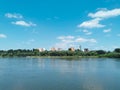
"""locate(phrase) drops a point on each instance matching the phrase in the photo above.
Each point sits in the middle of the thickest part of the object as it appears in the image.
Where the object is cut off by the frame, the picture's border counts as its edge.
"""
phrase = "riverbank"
(60, 54)
(62, 57)
(57, 57)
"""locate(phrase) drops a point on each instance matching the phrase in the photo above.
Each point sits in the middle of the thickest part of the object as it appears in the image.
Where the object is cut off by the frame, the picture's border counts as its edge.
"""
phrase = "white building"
(41, 49)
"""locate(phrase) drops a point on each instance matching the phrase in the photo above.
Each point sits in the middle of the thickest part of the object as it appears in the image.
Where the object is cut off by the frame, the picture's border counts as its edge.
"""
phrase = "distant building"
(41, 49)
(53, 49)
(71, 49)
(86, 50)
(80, 47)
(59, 49)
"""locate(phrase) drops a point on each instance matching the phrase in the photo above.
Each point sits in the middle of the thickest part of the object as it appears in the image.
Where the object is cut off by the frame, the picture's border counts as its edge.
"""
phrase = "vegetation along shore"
(64, 53)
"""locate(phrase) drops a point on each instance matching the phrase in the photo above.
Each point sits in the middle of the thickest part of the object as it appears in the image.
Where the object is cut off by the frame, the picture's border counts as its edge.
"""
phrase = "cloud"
(65, 37)
(85, 40)
(115, 46)
(68, 41)
(98, 16)
(24, 23)
(14, 15)
(28, 42)
(3, 36)
(87, 32)
(104, 13)
(107, 30)
(94, 23)
(21, 22)
(25, 44)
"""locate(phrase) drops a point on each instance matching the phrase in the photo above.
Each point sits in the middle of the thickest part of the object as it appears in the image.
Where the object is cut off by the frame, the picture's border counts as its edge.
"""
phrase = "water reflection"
(91, 84)
(59, 74)
(79, 66)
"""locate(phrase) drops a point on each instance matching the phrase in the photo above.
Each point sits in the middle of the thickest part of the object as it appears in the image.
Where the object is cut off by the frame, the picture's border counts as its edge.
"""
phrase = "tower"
(80, 47)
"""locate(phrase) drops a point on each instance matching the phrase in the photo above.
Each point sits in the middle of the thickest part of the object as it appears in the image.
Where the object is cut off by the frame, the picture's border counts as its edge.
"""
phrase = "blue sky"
(27, 24)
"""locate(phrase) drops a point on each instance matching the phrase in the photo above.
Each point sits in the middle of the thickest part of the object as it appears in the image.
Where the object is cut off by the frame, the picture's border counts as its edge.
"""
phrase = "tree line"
(35, 52)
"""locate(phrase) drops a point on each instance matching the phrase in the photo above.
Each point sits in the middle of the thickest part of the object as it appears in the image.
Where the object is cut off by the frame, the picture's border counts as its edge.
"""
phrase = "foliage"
(117, 50)
(35, 52)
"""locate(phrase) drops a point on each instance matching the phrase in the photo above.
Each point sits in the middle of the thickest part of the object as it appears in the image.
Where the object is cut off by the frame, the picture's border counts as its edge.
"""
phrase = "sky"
(28, 24)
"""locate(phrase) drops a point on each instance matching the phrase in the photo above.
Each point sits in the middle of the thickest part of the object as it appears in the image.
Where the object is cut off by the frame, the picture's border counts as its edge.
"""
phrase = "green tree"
(99, 52)
(117, 50)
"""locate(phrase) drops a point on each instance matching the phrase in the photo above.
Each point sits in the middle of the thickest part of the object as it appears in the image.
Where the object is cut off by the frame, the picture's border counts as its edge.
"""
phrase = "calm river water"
(59, 74)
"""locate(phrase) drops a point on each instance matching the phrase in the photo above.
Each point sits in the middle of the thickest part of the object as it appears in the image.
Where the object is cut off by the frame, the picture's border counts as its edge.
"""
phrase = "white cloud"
(62, 45)
(87, 32)
(68, 41)
(14, 15)
(85, 40)
(23, 23)
(115, 47)
(104, 13)
(98, 9)
(65, 37)
(3, 36)
(20, 22)
(28, 42)
(94, 23)
(100, 15)
(107, 30)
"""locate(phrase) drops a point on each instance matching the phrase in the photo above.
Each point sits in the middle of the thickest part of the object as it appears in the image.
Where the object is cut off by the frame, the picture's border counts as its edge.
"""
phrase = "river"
(59, 74)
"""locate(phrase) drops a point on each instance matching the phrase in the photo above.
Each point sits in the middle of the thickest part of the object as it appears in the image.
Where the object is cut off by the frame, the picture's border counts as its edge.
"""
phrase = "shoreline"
(51, 57)
(57, 57)
(62, 57)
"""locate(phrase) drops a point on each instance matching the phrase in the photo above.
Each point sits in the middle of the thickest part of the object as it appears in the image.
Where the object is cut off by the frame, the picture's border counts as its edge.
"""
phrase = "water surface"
(59, 74)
